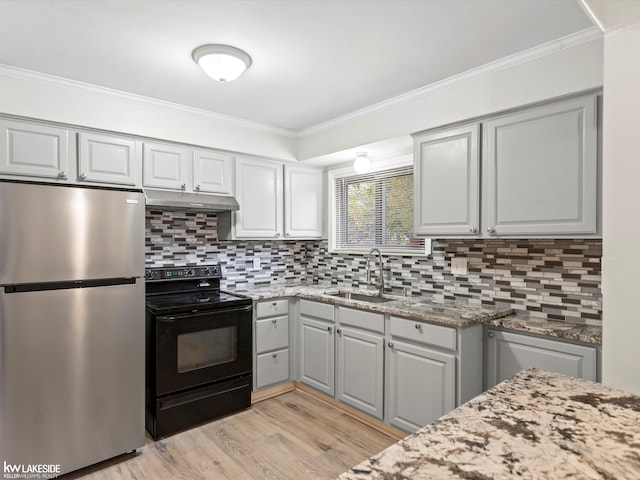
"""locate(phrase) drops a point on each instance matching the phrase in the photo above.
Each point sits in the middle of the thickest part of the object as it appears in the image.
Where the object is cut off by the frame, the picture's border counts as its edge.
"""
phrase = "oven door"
(201, 348)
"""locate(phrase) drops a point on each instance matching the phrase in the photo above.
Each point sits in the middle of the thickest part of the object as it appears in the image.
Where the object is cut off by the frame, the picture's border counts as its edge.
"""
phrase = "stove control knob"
(189, 272)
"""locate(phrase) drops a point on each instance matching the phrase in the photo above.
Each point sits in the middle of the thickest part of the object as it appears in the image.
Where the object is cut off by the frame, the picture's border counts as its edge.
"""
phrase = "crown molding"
(519, 58)
(52, 80)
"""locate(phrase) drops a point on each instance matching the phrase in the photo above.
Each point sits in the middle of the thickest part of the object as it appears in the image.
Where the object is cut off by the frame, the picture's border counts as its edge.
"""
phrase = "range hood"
(203, 202)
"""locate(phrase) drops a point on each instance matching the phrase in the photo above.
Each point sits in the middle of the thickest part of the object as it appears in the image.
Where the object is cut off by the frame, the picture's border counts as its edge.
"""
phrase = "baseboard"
(271, 392)
(362, 417)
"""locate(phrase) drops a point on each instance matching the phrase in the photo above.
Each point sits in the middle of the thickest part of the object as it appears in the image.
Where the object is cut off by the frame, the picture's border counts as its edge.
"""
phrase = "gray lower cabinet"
(317, 346)
(508, 353)
(360, 360)
(271, 335)
(421, 380)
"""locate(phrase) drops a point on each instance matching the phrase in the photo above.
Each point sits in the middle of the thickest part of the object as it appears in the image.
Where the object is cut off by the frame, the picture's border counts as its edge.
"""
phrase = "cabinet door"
(540, 170)
(420, 385)
(317, 355)
(360, 370)
(447, 182)
(34, 150)
(259, 193)
(509, 353)
(303, 188)
(212, 172)
(107, 159)
(164, 166)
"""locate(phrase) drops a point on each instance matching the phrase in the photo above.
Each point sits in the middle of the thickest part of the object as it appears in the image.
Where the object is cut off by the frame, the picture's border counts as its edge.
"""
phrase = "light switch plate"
(460, 266)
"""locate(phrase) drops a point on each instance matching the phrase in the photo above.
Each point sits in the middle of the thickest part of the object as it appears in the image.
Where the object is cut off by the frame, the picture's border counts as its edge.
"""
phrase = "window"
(376, 210)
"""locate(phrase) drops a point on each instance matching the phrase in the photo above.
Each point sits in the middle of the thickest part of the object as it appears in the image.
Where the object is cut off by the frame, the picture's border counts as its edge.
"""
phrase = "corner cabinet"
(537, 171)
(277, 201)
(508, 353)
(447, 181)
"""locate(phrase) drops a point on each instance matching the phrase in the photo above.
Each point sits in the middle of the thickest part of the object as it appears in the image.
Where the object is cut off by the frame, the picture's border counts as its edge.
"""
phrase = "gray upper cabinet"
(165, 166)
(33, 150)
(535, 175)
(447, 181)
(540, 170)
(109, 159)
(212, 172)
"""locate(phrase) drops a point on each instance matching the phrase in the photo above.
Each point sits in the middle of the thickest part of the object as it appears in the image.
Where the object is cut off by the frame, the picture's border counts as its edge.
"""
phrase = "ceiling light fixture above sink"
(362, 164)
(223, 63)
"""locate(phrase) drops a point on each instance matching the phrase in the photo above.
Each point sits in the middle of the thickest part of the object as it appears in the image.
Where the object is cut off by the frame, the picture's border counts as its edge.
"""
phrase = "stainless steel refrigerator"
(71, 325)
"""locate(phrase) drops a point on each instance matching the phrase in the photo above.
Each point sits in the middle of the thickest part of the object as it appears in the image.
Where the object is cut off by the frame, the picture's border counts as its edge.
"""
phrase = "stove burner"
(202, 298)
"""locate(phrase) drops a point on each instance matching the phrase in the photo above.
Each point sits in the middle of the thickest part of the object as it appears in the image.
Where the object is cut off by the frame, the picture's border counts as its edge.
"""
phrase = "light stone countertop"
(536, 425)
(451, 313)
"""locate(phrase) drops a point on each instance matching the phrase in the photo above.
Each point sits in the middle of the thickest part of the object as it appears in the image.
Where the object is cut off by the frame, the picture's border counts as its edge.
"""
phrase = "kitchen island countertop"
(536, 425)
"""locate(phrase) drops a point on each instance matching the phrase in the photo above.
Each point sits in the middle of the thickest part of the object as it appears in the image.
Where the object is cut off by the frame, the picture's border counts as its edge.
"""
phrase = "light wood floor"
(292, 436)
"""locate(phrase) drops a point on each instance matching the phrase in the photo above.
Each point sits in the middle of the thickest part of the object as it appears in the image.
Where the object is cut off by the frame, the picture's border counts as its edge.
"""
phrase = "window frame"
(347, 171)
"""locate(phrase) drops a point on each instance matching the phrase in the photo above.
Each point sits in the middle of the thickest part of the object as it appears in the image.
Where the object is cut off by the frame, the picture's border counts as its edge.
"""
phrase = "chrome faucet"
(381, 275)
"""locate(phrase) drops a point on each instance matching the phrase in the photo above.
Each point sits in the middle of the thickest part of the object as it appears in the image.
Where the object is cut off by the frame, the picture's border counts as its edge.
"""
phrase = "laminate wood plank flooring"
(292, 436)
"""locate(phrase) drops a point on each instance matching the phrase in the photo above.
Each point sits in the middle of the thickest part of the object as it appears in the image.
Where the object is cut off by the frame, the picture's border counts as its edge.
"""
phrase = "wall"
(79, 104)
(555, 279)
(621, 207)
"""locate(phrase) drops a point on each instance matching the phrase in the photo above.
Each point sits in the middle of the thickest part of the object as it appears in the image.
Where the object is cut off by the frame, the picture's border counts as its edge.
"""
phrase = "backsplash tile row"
(551, 278)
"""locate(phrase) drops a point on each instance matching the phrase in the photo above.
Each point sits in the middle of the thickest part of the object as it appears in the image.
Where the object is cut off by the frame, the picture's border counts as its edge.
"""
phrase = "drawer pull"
(390, 345)
(418, 326)
(275, 355)
(274, 304)
(275, 320)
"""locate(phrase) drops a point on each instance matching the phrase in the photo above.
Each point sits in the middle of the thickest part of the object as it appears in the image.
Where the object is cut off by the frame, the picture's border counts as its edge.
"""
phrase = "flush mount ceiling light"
(362, 164)
(223, 63)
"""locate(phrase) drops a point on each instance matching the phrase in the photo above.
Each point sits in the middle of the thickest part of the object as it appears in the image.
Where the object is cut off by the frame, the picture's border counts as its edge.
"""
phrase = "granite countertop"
(451, 313)
(535, 425)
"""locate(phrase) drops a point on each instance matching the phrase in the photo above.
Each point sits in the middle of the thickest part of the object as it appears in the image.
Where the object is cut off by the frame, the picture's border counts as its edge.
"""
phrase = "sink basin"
(359, 296)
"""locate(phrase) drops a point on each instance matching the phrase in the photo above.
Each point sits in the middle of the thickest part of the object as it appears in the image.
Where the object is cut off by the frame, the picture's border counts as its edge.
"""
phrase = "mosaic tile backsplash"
(551, 278)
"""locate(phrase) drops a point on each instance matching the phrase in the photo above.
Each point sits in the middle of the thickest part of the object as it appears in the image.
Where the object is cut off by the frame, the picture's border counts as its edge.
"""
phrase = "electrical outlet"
(460, 266)
(256, 263)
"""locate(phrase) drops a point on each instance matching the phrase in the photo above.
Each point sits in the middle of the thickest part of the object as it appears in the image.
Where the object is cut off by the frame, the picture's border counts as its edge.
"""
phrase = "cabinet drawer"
(272, 308)
(361, 319)
(427, 333)
(317, 309)
(272, 368)
(272, 333)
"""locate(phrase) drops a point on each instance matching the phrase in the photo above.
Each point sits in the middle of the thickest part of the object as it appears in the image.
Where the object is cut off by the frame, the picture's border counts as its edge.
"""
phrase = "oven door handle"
(173, 318)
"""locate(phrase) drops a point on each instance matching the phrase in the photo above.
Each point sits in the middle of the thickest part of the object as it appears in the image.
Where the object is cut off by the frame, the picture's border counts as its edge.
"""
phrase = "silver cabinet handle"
(490, 334)
(197, 189)
(275, 320)
(339, 331)
(491, 229)
(275, 355)
(473, 229)
(274, 303)
(183, 186)
(329, 329)
(83, 176)
(278, 235)
(62, 175)
(418, 326)
(390, 345)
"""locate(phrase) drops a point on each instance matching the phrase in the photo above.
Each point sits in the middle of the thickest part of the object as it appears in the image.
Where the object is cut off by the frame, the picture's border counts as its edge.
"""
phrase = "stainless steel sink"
(359, 296)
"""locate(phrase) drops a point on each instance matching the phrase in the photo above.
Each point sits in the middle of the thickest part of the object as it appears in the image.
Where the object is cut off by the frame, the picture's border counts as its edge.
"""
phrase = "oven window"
(206, 348)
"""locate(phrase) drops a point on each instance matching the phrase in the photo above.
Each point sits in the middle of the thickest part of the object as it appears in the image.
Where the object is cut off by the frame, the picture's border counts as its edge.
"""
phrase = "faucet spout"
(380, 275)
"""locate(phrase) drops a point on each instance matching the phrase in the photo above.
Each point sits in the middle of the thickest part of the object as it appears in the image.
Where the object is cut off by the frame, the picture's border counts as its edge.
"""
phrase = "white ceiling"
(313, 60)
